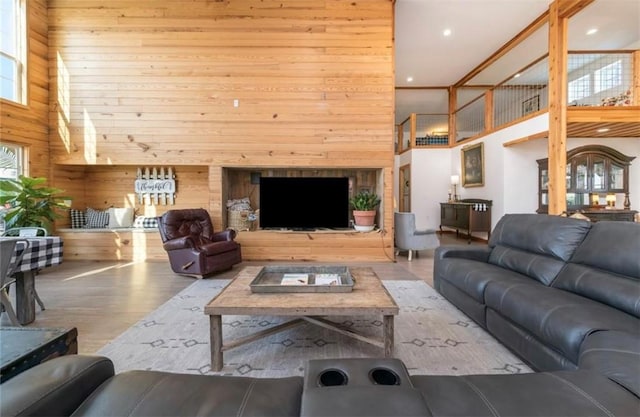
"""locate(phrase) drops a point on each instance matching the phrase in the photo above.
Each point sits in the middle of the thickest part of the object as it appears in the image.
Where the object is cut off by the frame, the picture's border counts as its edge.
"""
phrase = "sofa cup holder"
(384, 376)
(332, 378)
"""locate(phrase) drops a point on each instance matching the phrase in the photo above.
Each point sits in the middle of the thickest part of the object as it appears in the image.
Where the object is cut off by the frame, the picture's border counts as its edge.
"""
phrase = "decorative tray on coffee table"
(303, 279)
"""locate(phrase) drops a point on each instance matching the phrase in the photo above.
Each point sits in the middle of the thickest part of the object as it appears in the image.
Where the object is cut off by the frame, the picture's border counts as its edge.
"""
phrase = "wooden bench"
(130, 244)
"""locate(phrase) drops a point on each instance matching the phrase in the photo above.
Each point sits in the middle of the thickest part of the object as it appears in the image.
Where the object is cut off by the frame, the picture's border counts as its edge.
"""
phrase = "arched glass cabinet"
(596, 175)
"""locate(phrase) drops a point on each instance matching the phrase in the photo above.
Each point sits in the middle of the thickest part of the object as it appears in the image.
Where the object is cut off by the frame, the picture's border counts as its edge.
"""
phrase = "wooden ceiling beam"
(524, 34)
(567, 8)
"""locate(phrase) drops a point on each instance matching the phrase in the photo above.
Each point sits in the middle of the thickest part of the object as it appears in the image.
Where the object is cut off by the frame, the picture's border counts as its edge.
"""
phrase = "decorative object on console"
(240, 216)
(611, 201)
(364, 210)
(473, 165)
(155, 186)
(455, 180)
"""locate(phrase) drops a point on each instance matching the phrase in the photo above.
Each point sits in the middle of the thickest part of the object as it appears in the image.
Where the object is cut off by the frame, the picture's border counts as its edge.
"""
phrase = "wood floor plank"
(104, 298)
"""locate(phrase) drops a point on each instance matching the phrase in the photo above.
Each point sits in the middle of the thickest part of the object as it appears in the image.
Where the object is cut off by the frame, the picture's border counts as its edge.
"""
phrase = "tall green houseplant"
(29, 202)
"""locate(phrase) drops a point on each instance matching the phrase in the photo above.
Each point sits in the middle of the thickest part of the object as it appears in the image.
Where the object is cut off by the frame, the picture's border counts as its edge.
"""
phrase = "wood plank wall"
(153, 83)
(103, 192)
(29, 125)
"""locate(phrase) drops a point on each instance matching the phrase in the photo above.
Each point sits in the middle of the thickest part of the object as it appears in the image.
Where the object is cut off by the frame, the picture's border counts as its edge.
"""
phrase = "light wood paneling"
(140, 82)
(112, 245)
(154, 82)
(28, 125)
(104, 186)
(315, 246)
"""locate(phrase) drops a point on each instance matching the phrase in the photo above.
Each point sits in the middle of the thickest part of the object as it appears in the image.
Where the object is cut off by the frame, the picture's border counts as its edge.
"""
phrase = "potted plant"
(29, 203)
(364, 210)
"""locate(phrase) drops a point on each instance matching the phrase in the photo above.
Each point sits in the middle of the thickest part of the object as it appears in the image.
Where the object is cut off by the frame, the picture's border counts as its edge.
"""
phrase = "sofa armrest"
(474, 253)
(54, 388)
(225, 235)
(185, 242)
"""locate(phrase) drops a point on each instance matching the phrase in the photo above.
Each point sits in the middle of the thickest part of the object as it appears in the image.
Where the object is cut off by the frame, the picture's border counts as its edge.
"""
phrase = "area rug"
(431, 337)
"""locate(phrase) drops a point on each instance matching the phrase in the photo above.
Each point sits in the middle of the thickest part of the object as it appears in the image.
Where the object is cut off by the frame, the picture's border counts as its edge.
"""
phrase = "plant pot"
(364, 228)
(364, 218)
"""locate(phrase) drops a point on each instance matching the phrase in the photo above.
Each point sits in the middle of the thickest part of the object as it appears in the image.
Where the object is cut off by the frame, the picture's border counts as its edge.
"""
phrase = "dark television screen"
(304, 202)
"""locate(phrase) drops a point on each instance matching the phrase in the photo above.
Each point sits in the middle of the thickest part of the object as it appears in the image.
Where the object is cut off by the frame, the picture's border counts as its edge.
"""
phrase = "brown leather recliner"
(193, 247)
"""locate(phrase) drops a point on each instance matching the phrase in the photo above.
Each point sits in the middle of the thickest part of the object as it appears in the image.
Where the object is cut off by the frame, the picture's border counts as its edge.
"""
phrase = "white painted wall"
(511, 173)
(430, 175)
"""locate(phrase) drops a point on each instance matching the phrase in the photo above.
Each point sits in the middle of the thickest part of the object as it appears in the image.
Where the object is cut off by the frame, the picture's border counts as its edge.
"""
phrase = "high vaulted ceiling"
(481, 27)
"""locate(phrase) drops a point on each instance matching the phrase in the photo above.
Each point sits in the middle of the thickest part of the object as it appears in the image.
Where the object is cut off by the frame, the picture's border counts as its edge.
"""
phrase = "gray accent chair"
(407, 238)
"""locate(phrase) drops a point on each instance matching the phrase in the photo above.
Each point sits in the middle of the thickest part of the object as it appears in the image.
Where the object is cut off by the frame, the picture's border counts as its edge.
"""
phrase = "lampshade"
(455, 179)
(611, 198)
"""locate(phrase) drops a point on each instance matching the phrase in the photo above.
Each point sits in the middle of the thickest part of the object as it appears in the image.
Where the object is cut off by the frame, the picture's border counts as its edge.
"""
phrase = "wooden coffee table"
(369, 297)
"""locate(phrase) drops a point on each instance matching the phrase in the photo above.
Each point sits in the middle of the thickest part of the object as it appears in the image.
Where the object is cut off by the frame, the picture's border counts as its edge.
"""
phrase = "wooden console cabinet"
(472, 215)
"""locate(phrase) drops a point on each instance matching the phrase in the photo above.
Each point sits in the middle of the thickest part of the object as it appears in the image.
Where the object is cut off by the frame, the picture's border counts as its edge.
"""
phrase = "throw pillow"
(78, 218)
(145, 222)
(120, 217)
(97, 219)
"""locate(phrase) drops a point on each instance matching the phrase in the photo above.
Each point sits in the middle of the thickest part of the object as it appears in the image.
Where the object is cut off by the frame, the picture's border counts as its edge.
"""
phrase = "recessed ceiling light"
(447, 32)
(603, 130)
(592, 31)
(517, 75)
(409, 79)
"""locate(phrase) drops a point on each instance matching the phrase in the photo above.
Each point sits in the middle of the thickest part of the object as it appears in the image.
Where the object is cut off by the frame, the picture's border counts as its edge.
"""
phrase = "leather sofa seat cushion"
(560, 319)
(564, 393)
(150, 393)
(615, 355)
(472, 277)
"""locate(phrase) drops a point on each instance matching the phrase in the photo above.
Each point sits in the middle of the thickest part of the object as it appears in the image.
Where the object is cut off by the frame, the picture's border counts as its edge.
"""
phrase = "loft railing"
(595, 78)
(423, 130)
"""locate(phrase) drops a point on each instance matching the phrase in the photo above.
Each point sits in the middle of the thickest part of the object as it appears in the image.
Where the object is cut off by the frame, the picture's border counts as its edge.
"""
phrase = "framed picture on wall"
(531, 105)
(473, 165)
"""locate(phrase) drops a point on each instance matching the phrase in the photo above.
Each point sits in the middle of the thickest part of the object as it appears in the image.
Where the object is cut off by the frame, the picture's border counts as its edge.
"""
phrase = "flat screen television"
(304, 202)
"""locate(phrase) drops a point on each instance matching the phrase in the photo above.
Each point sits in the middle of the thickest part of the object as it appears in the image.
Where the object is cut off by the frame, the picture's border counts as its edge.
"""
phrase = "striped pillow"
(97, 219)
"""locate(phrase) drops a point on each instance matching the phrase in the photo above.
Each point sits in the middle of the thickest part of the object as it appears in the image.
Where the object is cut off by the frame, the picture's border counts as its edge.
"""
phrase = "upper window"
(607, 77)
(579, 88)
(13, 41)
(11, 161)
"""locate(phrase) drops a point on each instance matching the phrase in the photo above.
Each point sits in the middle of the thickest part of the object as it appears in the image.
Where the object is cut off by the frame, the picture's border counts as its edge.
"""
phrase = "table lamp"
(611, 200)
(454, 181)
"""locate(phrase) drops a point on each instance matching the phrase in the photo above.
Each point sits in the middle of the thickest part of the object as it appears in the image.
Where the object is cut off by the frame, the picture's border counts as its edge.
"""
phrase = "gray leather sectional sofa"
(561, 293)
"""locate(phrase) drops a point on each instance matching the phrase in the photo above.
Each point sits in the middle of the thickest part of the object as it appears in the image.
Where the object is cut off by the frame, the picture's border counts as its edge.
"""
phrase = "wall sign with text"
(155, 186)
